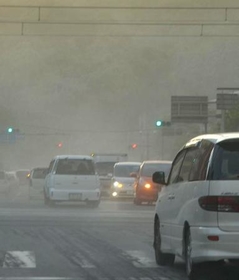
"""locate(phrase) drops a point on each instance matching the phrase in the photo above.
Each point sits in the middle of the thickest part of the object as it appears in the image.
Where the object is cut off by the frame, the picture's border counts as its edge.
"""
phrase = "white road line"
(82, 261)
(39, 278)
(19, 259)
(140, 259)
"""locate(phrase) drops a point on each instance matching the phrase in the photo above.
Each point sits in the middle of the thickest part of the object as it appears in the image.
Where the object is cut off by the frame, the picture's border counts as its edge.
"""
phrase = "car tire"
(46, 199)
(162, 259)
(190, 266)
(93, 204)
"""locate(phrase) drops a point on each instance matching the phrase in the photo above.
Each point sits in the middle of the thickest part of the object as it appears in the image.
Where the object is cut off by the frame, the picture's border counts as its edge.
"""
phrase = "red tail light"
(219, 203)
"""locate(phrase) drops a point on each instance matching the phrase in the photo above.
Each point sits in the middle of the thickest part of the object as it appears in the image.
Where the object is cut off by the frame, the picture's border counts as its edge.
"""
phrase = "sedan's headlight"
(117, 185)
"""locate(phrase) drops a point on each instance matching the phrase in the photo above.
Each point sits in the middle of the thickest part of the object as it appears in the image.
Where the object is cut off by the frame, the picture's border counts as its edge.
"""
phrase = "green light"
(158, 123)
(10, 130)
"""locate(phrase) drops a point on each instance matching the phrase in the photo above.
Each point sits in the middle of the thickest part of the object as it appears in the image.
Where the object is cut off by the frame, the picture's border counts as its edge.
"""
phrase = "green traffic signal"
(159, 123)
(10, 130)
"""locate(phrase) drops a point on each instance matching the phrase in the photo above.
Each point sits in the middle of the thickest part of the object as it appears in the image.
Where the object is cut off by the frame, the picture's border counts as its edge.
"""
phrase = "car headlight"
(117, 185)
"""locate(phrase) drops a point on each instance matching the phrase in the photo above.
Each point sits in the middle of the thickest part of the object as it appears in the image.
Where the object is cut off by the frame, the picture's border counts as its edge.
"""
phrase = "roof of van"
(128, 163)
(73, 157)
(215, 138)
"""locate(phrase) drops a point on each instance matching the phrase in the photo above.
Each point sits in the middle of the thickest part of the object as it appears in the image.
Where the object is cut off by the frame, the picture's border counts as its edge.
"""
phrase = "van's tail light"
(219, 203)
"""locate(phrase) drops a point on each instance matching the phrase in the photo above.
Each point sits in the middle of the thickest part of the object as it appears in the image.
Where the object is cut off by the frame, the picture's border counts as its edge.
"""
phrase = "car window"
(51, 166)
(174, 174)
(39, 173)
(149, 169)
(200, 161)
(125, 170)
(187, 164)
(75, 167)
(225, 163)
(104, 168)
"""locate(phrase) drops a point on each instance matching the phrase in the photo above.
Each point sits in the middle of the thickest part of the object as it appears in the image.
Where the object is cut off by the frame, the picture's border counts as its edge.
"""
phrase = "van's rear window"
(39, 173)
(75, 167)
(225, 164)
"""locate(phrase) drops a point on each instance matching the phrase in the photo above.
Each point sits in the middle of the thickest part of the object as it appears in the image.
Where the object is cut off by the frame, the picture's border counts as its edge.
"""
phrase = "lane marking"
(82, 261)
(39, 278)
(19, 259)
(140, 259)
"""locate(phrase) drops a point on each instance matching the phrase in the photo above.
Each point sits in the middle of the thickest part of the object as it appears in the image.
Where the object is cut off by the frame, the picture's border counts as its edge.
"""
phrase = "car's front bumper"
(122, 192)
(227, 247)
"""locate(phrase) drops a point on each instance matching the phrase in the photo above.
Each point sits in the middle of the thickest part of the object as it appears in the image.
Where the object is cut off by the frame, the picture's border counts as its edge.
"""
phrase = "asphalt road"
(69, 241)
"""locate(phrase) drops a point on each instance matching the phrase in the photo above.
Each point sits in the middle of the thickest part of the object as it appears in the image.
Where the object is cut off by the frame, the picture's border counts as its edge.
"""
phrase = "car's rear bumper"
(227, 247)
(147, 195)
(74, 195)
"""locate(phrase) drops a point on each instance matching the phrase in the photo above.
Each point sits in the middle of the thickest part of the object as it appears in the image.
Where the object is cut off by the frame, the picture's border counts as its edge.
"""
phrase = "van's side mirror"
(133, 174)
(159, 178)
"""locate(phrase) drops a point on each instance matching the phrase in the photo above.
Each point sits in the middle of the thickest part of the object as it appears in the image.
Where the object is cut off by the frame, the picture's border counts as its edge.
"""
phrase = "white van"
(197, 212)
(72, 178)
(122, 183)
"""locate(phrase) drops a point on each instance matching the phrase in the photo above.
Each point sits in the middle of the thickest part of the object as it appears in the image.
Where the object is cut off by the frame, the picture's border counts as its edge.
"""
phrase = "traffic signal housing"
(160, 123)
(134, 146)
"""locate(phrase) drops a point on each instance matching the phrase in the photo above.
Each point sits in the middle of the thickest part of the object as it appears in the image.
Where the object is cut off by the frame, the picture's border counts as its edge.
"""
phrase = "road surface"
(69, 241)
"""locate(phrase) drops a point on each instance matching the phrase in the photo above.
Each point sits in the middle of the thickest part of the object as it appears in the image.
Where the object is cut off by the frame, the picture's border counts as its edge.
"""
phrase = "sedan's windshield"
(125, 170)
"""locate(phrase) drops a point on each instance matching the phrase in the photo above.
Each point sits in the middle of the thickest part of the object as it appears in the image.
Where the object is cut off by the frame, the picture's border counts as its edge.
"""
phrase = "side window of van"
(200, 163)
(187, 165)
(174, 174)
(51, 166)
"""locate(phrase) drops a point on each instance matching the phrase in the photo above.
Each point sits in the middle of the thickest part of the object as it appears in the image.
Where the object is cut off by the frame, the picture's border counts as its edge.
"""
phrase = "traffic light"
(59, 145)
(10, 130)
(160, 123)
(134, 146)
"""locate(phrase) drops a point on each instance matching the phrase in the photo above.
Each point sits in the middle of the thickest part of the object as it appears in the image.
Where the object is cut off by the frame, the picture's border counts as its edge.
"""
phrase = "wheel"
(47, 201)
(190, 267)
(161, 258)
(137, 201)
(93, 204)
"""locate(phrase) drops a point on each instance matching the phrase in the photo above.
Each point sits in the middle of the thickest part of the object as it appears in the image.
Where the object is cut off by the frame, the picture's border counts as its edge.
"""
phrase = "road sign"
(189, 109)
(226, 101)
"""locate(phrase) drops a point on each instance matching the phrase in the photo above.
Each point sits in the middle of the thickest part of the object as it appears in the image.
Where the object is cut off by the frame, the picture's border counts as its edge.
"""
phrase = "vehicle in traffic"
(12, 179)
(23, 176)
(104, 164)
(197, 211)
(36, 182)
(145, 190)
(72, 178)
(4, 184)
(122, 182)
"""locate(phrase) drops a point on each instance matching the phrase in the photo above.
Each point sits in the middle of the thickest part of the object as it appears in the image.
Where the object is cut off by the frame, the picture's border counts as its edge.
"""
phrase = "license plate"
(75, 196)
